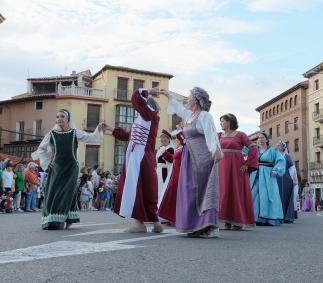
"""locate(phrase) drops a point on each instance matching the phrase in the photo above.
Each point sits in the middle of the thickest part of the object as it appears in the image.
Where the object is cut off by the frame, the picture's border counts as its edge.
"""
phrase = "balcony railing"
(318, 116)
(318, 141)
(121, 94)
(80, 91)
(318, 165)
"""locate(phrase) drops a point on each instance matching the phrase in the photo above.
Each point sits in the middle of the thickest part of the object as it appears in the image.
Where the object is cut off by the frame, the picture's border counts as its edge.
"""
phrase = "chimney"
(73, 73)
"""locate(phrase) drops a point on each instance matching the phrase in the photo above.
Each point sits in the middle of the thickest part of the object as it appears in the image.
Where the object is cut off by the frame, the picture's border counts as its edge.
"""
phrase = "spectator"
(96, 175)
(19, 186)
(31, 181)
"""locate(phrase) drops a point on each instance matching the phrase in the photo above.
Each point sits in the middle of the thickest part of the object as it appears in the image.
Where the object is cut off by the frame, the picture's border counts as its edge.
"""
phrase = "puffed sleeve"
(177, 107)
(252, 157)
(206, 125)
(139, 102)
(43, 153)
(85, 137)
(279, 163)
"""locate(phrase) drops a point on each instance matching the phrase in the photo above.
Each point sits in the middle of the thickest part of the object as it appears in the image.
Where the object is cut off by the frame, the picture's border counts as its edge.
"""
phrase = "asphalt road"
(97, 250)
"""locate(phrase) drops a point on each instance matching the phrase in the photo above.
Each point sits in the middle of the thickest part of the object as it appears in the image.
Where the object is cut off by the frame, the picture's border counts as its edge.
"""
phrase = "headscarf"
(69, 119)
(202, 97)
(283, 145)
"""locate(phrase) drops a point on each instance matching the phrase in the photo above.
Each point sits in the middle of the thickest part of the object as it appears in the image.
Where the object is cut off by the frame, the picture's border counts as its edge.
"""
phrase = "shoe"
(137, 229)
(212, 233)
(227, 226)
(35, 209)
(158, 228)
(20, 210)
(28, 210)
(236, 228)
(68, 225)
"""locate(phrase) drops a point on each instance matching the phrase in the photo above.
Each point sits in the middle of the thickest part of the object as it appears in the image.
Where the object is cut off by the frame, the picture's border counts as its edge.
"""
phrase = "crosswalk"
(66, 247)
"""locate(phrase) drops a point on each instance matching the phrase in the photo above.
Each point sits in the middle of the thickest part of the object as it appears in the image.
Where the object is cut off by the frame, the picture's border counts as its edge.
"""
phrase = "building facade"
(26, 118)
(285, 118)
(315, 128)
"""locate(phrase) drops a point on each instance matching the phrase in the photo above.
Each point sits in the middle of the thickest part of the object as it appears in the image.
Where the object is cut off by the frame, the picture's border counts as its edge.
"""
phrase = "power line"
(20, 133)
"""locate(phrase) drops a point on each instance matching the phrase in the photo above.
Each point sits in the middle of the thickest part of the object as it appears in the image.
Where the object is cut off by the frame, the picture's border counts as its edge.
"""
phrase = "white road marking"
(71, 248)
(319, 214)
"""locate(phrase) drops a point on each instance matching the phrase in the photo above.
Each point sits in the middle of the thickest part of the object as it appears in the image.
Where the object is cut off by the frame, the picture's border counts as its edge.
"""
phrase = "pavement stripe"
(71, 248)
(319, 214)
(92, 224)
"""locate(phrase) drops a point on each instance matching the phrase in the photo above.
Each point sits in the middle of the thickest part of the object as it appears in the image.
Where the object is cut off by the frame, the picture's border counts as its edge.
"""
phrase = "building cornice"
(303, 85)
(27, 98)
(131, 70)
(312, 72)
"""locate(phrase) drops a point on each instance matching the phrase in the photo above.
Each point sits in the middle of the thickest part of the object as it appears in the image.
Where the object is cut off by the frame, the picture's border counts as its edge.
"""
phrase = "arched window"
(263, 116)
(291, 102)
(295, 100)
(278, 109)
(269, 113)
(282, 107)
(274, 111)
(286, 105)
(266, 114)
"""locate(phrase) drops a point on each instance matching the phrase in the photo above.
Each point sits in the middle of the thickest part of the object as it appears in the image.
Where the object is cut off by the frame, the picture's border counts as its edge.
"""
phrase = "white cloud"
(281, 5)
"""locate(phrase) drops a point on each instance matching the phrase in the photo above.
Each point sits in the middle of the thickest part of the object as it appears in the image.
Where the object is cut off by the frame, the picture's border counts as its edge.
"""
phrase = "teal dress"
(57, 152)
(265, 192)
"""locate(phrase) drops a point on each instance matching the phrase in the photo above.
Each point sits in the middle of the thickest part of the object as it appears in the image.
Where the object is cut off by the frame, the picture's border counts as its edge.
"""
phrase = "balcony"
(318, 141)
(318, 116)
(121, 94)
(80, 91)
(318, 165)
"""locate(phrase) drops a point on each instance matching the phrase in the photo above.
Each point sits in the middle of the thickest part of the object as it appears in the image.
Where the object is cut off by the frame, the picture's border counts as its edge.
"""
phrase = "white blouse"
(205, 123)
(44, 153)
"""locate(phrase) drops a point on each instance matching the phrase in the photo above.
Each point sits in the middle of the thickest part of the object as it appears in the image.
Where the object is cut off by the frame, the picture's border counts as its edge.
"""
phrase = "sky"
(242, 52)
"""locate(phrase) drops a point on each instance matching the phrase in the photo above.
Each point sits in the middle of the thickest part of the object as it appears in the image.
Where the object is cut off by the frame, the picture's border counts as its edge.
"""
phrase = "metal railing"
(318, 165)
(318, 141)
(318, 115)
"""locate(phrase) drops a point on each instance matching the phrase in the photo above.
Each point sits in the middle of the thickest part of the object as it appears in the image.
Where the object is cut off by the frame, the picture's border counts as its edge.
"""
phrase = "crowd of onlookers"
(22, 187)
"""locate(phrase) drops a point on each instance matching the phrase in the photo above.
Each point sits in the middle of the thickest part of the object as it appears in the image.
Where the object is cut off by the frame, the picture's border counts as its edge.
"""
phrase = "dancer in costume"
(137, 194)
(197, 195)
(164, 158)
(265, 192)
(286, 185)
(306, 200)
(57, 152)
(240, 159)
(167, 207)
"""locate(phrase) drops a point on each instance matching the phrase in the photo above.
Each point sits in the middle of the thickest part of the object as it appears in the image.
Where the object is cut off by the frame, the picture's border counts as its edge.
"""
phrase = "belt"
(267, 164)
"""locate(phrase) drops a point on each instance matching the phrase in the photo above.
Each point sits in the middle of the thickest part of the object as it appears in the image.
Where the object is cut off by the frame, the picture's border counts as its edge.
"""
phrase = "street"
(97, 250)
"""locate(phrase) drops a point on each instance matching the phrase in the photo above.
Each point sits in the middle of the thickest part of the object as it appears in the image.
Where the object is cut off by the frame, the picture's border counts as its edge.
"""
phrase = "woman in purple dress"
(197, 196)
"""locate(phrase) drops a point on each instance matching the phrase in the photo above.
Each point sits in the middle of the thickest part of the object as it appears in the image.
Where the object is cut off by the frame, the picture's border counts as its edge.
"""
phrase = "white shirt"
(204, 124)
(7, 178)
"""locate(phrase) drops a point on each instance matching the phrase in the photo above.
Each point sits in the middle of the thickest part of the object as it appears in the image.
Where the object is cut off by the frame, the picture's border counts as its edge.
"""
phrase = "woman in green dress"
(57, 153)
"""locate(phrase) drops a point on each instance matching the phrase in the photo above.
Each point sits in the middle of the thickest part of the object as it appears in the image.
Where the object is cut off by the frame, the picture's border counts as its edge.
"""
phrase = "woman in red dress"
(240, 158)
(167, 208)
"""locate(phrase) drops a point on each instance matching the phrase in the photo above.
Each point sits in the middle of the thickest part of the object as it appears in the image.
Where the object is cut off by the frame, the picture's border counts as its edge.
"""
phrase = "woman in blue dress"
(264, 187)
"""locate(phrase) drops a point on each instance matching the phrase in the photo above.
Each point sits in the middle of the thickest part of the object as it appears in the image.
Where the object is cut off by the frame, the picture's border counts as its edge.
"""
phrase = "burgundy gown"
(236, 204)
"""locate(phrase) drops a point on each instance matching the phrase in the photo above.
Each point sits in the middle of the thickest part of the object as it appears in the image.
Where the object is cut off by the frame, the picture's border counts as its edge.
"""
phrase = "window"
(154, 84)
(290, 102)
(295, 123)
(274, 111)
(263, 116)
(318, 157)
(278, 130)
(286, 105)
(286, 127)
(176, 120)
(91, 155)
(317, 108)
(282, 107)
(93, 116)
(39, 105)
(122, 89)
(125, 116)
(278, 109)
(297, 166)
(317, 132)
(316, 85)
(266, 114)
(20, 128)
(295, 100)
(36, 130)
(1, 109)
(270, 132)
(296, 145)
(138, 84)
